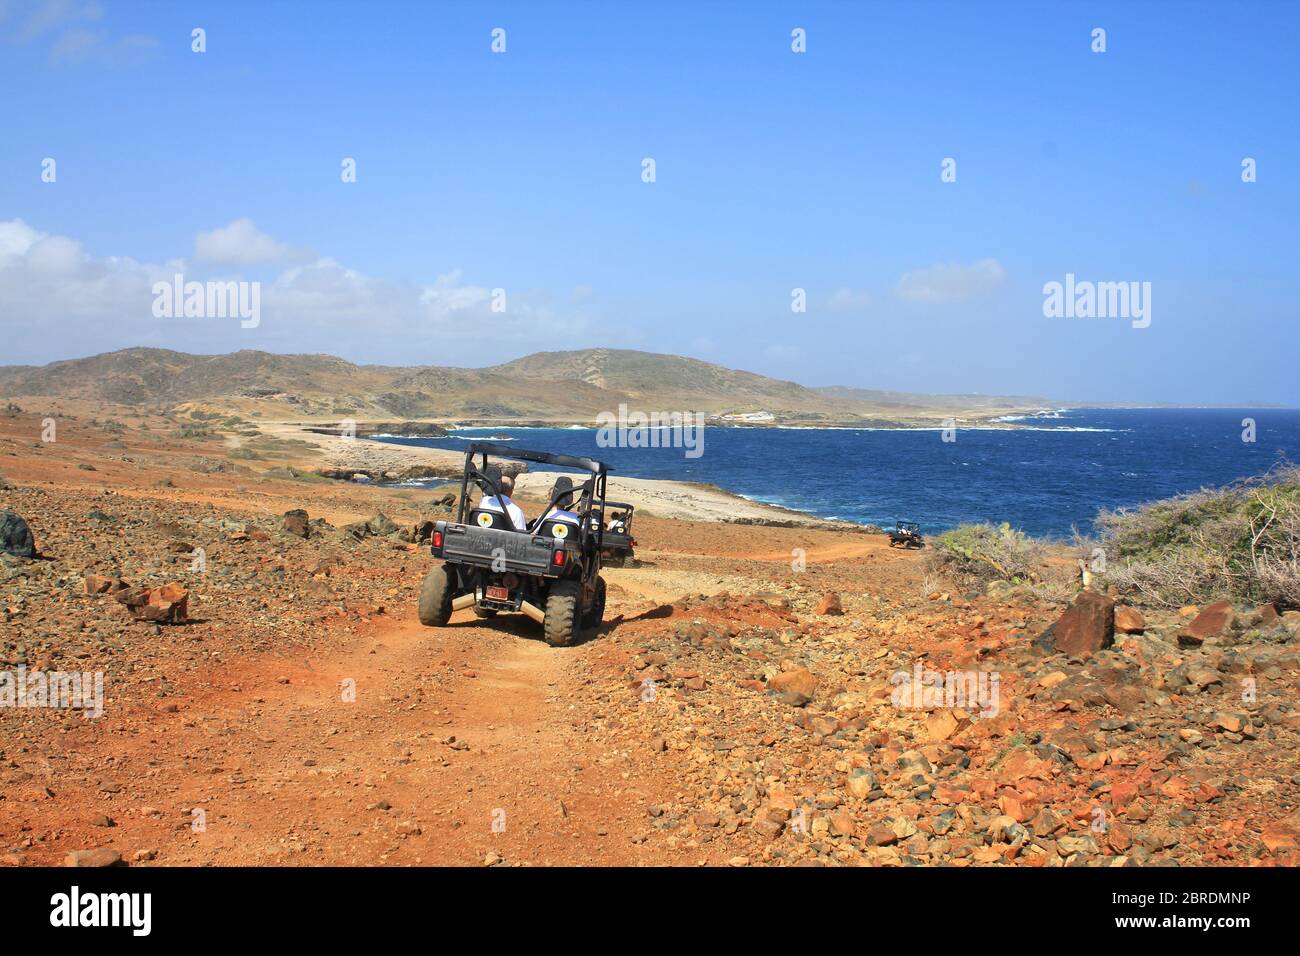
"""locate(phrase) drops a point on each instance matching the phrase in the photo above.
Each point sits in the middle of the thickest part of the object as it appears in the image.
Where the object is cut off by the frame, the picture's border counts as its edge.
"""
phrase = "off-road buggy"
(548, 569)
(906, 534)
(617, 549)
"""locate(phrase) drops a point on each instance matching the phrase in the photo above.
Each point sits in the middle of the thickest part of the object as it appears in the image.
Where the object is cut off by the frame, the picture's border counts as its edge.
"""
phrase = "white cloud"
(446, 297)
(952, 282)
(56, 300)
(16, 237)
(241, 243)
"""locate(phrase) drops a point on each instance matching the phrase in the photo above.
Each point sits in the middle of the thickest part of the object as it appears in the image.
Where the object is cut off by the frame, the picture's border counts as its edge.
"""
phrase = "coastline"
(659, 497)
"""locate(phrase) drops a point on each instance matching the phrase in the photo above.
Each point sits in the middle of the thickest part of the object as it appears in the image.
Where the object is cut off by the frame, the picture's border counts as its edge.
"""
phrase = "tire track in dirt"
(452, 730)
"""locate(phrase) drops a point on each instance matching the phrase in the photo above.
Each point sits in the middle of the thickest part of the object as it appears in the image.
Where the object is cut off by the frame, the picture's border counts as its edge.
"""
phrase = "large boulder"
(1086, 627)
(1213, 621)
(15, 536)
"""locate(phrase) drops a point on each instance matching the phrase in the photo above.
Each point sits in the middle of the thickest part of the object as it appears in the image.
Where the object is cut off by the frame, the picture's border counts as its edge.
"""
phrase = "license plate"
(498, 594)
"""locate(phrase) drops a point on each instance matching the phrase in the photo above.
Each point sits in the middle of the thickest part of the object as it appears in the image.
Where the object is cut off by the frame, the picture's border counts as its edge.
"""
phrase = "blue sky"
(522, 171)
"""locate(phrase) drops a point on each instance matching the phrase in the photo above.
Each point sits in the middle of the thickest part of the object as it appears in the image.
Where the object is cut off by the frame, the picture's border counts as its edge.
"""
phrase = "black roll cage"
(591, 492)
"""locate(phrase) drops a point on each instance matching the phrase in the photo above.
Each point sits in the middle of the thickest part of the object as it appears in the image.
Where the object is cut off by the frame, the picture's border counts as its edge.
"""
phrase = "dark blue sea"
(1047, 477)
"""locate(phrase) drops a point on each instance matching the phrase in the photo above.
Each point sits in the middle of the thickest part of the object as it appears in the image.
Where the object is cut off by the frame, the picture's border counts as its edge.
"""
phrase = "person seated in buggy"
(512, 510)
(618, 522)
(561, 495)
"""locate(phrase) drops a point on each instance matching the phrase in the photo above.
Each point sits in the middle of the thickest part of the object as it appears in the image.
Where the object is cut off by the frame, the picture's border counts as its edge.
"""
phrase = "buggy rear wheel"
(562, 613)
(435, 596)
(594, 615)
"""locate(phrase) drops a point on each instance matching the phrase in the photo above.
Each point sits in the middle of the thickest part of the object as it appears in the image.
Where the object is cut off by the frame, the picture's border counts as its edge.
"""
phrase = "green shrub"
(980, 553)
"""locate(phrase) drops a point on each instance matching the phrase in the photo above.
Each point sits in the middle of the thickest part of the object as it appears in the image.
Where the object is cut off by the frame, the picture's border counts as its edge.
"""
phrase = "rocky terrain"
(758, 695)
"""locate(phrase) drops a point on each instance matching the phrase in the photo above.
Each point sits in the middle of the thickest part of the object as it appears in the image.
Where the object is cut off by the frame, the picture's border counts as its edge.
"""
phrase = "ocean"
(1047, 477)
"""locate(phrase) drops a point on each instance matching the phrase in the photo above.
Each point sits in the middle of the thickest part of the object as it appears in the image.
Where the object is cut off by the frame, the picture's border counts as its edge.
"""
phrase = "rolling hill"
(548, 386)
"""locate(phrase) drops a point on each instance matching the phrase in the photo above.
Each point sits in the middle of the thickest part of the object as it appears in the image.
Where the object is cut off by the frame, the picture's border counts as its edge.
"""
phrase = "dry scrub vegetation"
(1240, 542)
(1237, 543)
(977, 554)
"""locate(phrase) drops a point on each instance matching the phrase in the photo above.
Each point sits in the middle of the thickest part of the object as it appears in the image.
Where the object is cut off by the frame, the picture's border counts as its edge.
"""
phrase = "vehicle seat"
(570, 522)
(489, 518)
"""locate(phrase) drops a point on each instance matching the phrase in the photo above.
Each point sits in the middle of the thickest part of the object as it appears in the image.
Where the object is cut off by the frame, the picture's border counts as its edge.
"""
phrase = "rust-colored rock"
(941, 725)
(168, 604)
(296, 523)
(102, 584)
(1283, 834)
(830, 604)
(103, 856)
(1129, 620)
(1266, 615)
(841, 823)
(795, 686)
(1087, 626)
(1214, 620)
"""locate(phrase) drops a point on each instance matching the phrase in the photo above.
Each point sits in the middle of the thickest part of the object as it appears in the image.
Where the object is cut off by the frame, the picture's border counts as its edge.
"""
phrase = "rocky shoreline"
(341, 458)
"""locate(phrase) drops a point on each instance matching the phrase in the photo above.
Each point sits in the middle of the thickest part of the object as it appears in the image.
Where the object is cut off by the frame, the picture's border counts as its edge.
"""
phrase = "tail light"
(437, 539)
(557, 557)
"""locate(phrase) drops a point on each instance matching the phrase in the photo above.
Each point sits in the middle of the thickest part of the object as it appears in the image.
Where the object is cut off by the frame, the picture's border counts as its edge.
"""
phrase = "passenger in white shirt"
(507, 486)
(562, 494)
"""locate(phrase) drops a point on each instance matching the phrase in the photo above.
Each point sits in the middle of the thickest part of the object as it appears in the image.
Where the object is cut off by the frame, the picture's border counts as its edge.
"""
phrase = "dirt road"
(407, 746)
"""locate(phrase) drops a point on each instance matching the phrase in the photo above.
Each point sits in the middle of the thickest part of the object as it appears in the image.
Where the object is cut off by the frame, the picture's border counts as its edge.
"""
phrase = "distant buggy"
(618, 546)
(548, 570)
(906, 534)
